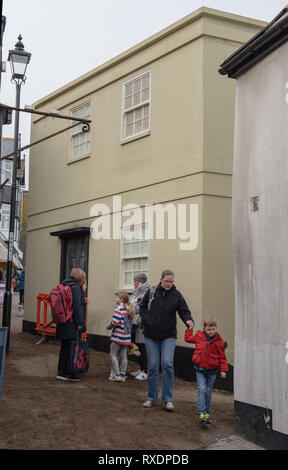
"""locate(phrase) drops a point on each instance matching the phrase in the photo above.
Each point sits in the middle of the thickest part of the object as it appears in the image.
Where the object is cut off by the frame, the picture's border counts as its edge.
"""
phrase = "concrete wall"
(260, 243)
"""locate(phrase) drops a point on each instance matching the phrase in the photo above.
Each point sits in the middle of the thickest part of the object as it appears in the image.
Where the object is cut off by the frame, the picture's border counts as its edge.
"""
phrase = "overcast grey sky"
(68, 38)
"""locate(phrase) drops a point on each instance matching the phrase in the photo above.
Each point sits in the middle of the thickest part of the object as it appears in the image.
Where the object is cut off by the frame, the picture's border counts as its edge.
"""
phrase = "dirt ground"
(39, 412)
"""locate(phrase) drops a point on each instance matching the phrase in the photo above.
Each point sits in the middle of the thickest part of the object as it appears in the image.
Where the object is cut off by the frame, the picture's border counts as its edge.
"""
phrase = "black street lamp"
(19, 59)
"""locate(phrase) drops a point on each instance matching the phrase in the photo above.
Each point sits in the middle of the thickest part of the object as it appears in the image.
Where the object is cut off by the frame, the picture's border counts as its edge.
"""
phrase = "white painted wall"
(260, 238)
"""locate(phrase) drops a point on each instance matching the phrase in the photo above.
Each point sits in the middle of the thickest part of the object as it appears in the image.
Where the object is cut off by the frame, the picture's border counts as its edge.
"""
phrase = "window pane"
(128, 265)
(129, 89)
(138, 114)
(144, 264)
(145, 124)
(128, 102)
(137, 85)
(143, 248)
(76, 139)
(136, 99)
(125, 231)
(144, 231)
(146, 81)
(145, 95)
(128, 279)
(138, 126)
(137, 265)
(130, 117)
(126, 250)
(76, 150)
(130, 130)
(86, 113)
(146, 110)
(138, 232)
(134, 248)
(82, 137)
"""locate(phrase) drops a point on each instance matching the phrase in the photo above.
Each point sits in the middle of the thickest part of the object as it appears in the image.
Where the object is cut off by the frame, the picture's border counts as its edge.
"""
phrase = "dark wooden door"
(75, 252)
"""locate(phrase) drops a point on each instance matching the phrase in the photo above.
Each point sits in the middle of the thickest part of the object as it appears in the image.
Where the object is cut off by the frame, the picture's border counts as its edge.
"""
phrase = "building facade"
(161, 137)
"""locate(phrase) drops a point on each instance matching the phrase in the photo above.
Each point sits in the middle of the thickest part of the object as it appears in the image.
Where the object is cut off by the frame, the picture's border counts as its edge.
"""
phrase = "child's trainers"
(116, 378)
(202, 418)
(207, 418)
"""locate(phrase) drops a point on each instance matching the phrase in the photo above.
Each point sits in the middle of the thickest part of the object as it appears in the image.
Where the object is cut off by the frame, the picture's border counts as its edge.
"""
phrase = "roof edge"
(259, 46)
(190, 18)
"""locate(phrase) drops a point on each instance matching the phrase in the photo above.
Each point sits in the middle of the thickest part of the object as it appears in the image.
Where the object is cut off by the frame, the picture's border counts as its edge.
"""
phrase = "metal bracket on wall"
(85, 128)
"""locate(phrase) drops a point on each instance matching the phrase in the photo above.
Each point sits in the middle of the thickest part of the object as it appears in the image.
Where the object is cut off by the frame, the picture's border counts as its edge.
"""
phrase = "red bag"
(61, 300)
(79, 355)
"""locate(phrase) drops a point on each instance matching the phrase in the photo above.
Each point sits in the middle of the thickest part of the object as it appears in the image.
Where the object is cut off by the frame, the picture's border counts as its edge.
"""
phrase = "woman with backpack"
(67, 332)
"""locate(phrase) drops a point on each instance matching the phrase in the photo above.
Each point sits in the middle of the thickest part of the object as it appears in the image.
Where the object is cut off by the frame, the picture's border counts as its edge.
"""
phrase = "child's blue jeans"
(205, 382)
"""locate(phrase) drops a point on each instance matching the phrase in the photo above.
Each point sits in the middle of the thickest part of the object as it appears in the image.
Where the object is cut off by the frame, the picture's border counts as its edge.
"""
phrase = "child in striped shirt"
(120, 325)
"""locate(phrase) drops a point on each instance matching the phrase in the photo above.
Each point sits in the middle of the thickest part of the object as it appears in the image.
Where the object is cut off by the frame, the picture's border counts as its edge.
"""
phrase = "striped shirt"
(121, 324)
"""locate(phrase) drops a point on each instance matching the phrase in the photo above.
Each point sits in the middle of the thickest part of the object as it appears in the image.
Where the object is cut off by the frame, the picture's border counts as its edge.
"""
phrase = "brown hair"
(79, 275)
(167, 272)
(125, 299)
(209, 321)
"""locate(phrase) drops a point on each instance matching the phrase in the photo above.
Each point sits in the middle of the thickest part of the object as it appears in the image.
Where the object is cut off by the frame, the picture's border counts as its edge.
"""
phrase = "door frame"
(64, 235)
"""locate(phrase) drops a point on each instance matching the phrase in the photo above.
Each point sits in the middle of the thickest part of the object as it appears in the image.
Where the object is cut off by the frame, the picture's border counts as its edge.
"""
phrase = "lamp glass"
(18, 64)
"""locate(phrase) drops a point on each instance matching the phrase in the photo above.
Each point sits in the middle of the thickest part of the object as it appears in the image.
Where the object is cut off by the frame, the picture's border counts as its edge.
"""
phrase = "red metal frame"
(47, 328)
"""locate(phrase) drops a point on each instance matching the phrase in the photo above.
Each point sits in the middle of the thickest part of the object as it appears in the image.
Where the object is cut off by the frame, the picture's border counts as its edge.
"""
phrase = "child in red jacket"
(208, 356)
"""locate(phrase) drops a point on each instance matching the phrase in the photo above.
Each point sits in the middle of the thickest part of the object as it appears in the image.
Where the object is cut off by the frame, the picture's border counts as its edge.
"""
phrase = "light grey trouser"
(115, 348)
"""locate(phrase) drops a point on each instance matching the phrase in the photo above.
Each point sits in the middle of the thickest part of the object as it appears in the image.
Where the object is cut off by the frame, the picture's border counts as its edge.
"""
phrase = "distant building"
(6, 182)
(24, 221)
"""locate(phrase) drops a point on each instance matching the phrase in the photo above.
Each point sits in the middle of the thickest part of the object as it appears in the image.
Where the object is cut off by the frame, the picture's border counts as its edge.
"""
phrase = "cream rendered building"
(161, 132)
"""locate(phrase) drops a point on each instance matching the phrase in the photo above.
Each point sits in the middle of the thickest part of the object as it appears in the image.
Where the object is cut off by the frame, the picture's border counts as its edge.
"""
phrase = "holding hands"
(190, 323)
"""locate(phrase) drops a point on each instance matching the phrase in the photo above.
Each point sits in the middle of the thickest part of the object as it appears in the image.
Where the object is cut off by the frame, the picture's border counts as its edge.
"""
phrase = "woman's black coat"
(160, 320)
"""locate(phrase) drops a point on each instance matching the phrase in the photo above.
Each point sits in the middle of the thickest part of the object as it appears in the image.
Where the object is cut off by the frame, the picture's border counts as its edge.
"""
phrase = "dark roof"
(263, 43)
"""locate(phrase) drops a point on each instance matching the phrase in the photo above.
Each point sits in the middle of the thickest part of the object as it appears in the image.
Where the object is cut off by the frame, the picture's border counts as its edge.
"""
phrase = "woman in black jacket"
(158, 312)
(67, 332)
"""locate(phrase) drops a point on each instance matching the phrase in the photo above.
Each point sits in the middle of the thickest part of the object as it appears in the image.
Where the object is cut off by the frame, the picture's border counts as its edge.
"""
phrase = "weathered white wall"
(260, 238)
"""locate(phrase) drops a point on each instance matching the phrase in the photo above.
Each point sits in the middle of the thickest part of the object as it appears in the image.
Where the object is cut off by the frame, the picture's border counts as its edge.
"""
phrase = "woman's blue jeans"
(164, 351)
(205, 382)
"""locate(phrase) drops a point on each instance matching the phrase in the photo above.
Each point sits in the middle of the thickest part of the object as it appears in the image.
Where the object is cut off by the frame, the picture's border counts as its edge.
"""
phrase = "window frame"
(4, 171)
(132, 257)
(8, 210)
(124, 112)
(74, 132)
